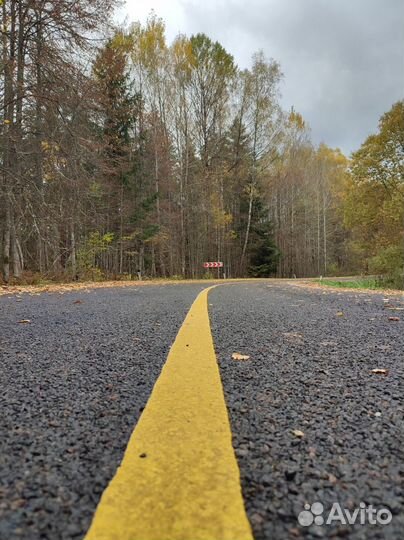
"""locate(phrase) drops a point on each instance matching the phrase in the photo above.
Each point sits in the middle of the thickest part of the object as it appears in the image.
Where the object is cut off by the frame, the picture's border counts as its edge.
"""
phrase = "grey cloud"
(343, 60)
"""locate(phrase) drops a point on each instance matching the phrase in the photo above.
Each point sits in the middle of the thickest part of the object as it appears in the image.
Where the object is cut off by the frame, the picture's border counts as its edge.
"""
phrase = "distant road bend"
(128, 415)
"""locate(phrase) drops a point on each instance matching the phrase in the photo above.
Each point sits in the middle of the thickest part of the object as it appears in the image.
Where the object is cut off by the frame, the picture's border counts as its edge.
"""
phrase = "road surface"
(310, 421)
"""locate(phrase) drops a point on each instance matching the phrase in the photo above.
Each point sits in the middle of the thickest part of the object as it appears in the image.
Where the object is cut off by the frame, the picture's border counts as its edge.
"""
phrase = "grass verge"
(365, 283)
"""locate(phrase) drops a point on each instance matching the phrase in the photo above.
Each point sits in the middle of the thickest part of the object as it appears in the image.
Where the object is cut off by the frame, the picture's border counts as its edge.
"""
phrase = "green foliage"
(381, 157)
(121, 104)
(374, 199)
(94, 245)
(180, 155)
(149, 232)
(365, 283)
(96, 190)
(388, 261)
(210, 55)
(264, 255)
(391, 281)
(333, 269)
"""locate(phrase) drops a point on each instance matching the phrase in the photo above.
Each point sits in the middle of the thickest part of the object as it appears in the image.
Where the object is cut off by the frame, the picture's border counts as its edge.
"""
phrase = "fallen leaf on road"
(257, 519)
(78, 302)
(295, 336)
(298, 433)
(380, 371)
(393, 308)
(394, 318)
(340, 313)
(332, 479)
(238, 356)
(24, 321)
(17, 503)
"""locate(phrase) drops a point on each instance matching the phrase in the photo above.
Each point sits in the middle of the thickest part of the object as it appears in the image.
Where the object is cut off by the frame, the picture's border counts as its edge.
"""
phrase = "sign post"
(215, 264)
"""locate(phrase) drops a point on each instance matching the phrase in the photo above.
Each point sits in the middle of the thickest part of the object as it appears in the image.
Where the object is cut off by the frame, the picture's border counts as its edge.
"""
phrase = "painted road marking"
(179, 478)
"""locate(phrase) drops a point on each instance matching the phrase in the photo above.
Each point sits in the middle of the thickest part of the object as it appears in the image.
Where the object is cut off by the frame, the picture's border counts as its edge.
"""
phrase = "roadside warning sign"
(215, 264)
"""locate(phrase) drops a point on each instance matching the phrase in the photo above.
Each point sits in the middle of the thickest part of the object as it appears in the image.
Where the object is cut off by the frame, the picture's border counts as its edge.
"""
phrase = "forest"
(125, 156)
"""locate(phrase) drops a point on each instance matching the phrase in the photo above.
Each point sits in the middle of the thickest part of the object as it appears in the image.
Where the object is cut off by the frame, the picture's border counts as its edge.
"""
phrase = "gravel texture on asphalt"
(311, 355)
(73, 383)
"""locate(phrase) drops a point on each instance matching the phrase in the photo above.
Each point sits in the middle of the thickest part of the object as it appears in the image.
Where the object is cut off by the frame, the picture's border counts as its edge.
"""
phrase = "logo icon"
(311, 514)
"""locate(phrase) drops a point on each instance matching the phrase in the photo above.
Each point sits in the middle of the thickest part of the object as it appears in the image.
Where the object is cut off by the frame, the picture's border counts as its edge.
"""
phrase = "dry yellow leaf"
(298, 433)
(294, 336)
(380, 371)
(332, 479)
(24, 321)
(238, 356)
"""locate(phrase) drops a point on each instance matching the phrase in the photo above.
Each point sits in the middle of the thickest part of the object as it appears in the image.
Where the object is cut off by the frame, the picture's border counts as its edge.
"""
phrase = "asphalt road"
(311, 355)
(310, 422)
(73, 384)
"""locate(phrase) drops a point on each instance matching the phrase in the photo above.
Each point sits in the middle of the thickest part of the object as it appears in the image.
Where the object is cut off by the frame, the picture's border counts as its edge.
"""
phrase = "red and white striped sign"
(213, 264)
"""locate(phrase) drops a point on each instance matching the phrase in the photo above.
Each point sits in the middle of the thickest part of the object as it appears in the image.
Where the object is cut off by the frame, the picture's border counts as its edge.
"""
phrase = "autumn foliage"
(124, 155)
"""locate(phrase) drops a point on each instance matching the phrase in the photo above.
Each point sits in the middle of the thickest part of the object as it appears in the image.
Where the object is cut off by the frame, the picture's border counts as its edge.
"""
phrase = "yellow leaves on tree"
(374, 202)
(53, 160)
(184, 60)
(149, 43)
(297, 120)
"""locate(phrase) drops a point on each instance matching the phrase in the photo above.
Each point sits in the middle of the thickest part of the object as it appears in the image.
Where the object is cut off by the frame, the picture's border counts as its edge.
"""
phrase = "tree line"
(123, 155)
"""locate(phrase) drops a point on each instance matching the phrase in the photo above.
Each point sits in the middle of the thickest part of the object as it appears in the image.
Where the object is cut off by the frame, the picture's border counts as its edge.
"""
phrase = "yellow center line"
(179, 478)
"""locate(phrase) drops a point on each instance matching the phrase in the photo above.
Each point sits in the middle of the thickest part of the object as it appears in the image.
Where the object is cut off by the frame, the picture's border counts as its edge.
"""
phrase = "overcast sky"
(343, 60)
